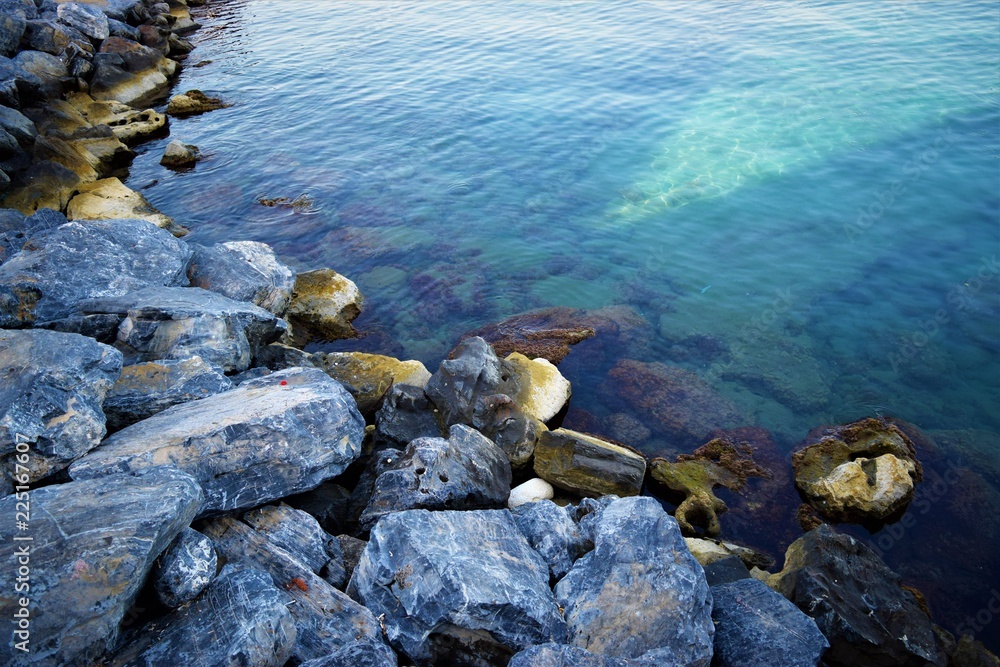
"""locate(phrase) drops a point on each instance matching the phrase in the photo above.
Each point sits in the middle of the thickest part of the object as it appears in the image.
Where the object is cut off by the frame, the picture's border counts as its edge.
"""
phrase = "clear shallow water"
(799, 198)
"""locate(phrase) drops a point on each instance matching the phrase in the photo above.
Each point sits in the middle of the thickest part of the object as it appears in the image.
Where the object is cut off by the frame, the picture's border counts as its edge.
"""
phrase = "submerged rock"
(857, 602)
(324, 303)
(178, 323)
(639, 593)
(242, 616)
(185, 569)
(266, 439)
(865, 471)
(85, 260)
(587, 465)
(457, 587)
(546, 334)
(50, 399)
(144, 389)
(243, 271)
(93, 543)
(466, 471)
(757, 627)
(325, 618)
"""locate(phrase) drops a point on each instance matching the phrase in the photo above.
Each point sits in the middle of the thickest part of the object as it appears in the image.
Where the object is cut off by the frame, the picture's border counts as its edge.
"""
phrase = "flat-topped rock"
(50, 398)
(110, 199)
(266, 439)
(85, 260)
(128, 72)
(587, 465)
(244, 271)
(93, 543)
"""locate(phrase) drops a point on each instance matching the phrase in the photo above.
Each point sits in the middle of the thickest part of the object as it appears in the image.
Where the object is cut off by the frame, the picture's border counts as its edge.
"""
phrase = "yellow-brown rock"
(324, 303)
(369, 376)
(540, 389)
(110, 199)
(587, 465)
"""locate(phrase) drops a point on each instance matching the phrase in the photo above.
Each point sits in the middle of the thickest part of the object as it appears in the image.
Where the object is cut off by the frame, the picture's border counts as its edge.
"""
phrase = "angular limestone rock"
(110, 199)
(241, 616)
(85, 260)
(472, 372)
(405, 415)
(325, 618)
(324, 303)
(293, 530)
(369, 376)
(243, 271)
(50, 398)
(144, 389)
(857, 602)
(463, 587)
(92, 545)
(861, 472)
(639, 592)
(756, 626)
(266, 439)
(179, 323)
(466, 471)
(185, 569)
(128, 72)
(587, 465)
(552, 533)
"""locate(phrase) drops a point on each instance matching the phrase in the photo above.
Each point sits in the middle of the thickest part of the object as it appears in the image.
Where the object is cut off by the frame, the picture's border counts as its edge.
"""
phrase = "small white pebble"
(531, 491)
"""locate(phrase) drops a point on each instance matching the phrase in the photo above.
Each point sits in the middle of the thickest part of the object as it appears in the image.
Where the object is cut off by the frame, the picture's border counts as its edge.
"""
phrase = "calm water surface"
(800, 200)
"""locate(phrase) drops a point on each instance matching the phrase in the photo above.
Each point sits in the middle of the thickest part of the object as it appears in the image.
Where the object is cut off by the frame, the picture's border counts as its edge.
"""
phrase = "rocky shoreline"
(184, 484)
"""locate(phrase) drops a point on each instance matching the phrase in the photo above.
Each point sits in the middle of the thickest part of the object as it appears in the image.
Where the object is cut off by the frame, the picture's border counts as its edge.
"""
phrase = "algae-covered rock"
(545, 334)
(861, 472)
(540, 390)
(587, 465)
(369, 376)
(323, 305)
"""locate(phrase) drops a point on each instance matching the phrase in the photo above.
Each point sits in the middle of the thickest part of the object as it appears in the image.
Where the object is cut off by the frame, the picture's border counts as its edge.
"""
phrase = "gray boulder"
(757, 627)
(57, 39)
(92, 545)
(142, 390)
(186, 568)
(43, 73)
(325, 618)
(243, 271)
(857, 602)
(50, 398)
(182, 322)
(241, 619)
(88, 19)
(264, 440)
(178, 155)
(640, 592)
(364, 653)
(457, 587)
(466, 471)
(8, 144)
(11, 29)
(473, 372)
(293, 530)
(129, 72)
(405, 415)
(499, 418)
(552, 533)
(85, 260)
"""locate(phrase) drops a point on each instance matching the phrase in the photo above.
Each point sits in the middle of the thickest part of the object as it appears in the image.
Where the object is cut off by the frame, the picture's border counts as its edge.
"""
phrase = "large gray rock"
(50, 398)
(243, 271)
(293, 530)
(757, 627)
(86, 18)
(499, 418)
(186, 568)
(142, 390)
(11, 29)
(241, 619)
(466, 471)
(266, 439)
(460, 587)
(16, 228)
(405, 415)
(857, 602)
(640, 592)
(473, 372)
(364, 653)
(57, 39)
(183, 322)
(86, 260)
(325, 618)
(92, 545)
(552, 533)
(42, 72)
(130, 73)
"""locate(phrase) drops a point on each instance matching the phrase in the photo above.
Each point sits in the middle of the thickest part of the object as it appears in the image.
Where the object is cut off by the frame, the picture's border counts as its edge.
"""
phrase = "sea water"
(800, 201)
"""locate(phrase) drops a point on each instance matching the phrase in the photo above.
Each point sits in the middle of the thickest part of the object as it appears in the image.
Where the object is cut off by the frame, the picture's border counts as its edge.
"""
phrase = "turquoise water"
(800, 199)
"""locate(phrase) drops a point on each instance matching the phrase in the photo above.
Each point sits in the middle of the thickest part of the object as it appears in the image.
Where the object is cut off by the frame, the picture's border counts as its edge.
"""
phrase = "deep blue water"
(801, 199)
